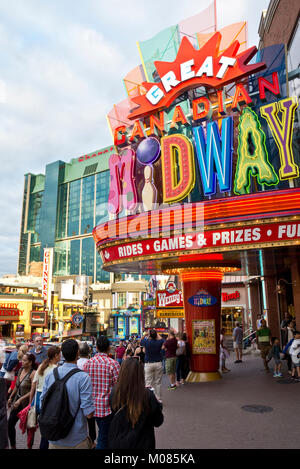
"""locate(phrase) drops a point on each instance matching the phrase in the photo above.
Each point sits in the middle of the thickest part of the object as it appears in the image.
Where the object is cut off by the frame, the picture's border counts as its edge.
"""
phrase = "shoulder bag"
(32, 415)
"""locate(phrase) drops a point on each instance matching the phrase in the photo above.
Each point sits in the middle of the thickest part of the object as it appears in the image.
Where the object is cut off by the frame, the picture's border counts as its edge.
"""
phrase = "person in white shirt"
(84, 357)
(46, 367)
(84, 354)
(295, 355)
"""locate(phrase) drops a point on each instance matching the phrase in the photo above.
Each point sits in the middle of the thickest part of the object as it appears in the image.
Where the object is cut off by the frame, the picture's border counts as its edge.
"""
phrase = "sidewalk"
(210, 415)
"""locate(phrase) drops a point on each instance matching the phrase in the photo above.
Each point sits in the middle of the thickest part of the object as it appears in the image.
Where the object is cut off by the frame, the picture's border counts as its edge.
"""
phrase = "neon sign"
(193, 68)
(197, 148)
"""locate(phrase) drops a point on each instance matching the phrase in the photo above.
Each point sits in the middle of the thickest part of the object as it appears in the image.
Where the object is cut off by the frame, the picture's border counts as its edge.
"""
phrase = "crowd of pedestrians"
(70, 390)
(271, 349)
(110, 398)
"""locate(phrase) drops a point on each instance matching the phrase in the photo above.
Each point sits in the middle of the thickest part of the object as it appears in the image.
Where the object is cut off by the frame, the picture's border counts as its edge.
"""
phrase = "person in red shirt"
(104, 372)
(170, 347)
(119, 354)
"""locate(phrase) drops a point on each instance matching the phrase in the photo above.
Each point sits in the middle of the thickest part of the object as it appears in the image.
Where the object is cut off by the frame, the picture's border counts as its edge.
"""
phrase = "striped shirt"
(104, 372)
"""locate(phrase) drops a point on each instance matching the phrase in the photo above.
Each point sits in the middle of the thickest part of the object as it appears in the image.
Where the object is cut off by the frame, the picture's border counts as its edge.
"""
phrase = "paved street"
(210, 415)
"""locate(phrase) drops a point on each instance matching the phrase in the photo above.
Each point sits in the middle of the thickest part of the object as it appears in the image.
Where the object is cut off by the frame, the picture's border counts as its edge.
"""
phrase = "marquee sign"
(201, 166)
(249, 236)
(193, 147)
(194, 68)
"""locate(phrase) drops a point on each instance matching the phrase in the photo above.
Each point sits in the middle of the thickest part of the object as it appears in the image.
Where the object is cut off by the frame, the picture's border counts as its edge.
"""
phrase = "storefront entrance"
(6, 330)
(229, 316)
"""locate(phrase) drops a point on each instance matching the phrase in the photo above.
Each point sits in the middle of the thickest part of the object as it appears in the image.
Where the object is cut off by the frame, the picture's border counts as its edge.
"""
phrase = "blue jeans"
(103, 427)
(44, 444)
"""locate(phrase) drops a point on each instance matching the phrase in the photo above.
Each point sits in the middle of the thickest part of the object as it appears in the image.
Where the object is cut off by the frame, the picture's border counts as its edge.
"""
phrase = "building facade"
(60, 210)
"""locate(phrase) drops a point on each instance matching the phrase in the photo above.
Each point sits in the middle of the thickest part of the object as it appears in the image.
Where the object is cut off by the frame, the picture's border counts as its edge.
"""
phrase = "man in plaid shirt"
(104, 372)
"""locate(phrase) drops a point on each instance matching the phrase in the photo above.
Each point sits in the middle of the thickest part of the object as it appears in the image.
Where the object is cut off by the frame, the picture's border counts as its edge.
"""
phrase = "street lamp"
(51, 318)
(278, 288)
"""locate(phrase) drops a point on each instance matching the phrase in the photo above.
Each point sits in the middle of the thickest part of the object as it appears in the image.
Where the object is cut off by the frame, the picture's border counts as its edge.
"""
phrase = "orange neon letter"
(177, 156)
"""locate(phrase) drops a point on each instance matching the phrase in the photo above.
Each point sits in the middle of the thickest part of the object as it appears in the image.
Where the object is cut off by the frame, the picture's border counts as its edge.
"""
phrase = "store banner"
(170, 313)
(47, 276)
(9, 312)
(133, 326)
(20, 330)
(204, 336)
(38, 318)
(247, 236)
(202, 299)
(164, 299)
(121, 328)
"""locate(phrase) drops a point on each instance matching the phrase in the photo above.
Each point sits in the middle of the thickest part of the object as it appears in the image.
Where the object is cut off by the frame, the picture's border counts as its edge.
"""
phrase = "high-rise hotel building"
(60, 210)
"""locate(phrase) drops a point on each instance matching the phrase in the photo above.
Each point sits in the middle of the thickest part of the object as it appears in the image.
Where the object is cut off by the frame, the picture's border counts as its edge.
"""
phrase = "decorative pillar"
(202, 306)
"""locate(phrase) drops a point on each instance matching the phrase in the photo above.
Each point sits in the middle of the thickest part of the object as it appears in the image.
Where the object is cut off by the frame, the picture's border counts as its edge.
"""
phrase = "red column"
(202, 305)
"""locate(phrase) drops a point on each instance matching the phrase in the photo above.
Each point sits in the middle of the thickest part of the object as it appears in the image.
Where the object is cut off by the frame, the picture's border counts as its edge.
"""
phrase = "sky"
(61, 69)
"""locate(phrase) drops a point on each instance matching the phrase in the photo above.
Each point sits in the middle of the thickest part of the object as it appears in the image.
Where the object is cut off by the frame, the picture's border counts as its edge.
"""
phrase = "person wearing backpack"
(66, 403)
(136, 410)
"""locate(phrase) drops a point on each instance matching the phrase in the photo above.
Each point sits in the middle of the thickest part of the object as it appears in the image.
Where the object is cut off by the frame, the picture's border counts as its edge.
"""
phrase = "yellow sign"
(170, 313)
(204, 336)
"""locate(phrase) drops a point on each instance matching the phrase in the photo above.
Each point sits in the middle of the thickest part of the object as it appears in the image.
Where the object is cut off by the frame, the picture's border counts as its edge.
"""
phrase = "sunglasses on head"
(137, 358)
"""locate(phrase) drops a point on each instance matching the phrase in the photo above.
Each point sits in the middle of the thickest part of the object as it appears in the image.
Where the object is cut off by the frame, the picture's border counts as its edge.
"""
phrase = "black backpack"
(55, 419)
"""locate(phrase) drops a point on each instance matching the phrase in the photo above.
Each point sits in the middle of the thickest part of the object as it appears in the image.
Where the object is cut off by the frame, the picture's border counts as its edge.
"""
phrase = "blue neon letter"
(215, 155)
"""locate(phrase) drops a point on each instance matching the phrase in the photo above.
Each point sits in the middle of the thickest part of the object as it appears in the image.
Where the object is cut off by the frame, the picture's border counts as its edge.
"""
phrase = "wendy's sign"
(191, 136)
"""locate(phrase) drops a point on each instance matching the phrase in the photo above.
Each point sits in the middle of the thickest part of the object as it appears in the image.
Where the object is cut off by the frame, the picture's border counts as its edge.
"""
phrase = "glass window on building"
(101, 275)
(102, 190)
(134, 299)
(35, 253)
(61, 250)
(34, 216)
(294, 50)
(122, 300)
(87, 204)
(74, 208)
(87, 257)
(294, 64)
(24, 236)
(62, 211)
(74, 257)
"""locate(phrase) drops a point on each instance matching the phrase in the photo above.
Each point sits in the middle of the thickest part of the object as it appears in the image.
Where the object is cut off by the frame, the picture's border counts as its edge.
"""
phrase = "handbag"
(9, 375)
(180, 351)
(32, 416)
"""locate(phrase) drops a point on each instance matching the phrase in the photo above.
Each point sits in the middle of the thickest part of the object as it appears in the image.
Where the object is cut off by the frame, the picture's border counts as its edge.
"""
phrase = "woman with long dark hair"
(43, 370)
(136, 411)
(20, 395)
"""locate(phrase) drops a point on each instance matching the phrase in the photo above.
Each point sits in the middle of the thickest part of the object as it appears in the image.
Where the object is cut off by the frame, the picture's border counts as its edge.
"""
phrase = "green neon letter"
(252, 154)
